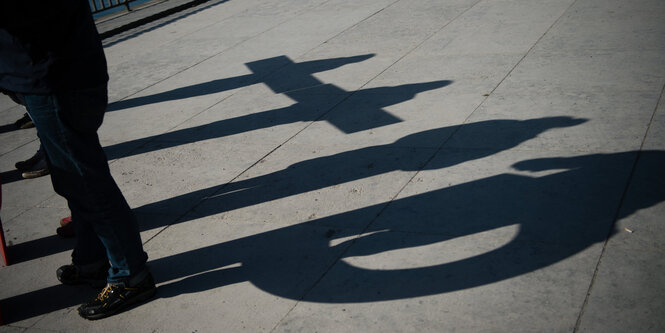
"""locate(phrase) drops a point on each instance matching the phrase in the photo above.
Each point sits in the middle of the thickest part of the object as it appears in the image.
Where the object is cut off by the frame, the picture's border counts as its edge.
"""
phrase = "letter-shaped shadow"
(309, 107)
(313, 100)
(558, 215)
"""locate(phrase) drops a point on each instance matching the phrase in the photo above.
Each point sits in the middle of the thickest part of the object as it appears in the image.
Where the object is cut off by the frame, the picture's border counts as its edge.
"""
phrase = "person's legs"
(35, 166)
(105, 226)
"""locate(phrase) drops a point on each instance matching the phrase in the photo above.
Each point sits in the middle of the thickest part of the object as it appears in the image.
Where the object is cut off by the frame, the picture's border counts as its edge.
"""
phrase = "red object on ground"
(65, 221)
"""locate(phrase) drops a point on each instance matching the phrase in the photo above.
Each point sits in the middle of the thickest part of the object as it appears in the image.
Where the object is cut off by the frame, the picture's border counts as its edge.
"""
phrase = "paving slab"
(320, 184)
(624, 296)
(191, 172)
(5, 104)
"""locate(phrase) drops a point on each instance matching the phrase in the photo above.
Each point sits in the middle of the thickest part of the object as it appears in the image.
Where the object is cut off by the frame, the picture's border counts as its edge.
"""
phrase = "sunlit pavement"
(372, 166)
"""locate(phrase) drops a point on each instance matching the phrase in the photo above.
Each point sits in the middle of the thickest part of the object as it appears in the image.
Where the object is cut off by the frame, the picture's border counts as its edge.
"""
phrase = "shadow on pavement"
(8, 128)
(298, 76)
(411, 153)
(313, 100)
(558, 215)
(11, 176)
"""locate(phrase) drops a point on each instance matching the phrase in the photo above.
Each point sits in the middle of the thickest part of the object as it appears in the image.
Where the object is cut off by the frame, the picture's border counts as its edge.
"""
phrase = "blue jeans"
(105, 226)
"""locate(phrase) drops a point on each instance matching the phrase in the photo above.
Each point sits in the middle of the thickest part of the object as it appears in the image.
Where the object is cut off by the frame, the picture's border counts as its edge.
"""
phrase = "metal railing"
(100, 5)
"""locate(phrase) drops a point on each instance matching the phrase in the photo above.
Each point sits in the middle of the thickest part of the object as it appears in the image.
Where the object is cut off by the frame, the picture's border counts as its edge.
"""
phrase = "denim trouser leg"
(105, 226)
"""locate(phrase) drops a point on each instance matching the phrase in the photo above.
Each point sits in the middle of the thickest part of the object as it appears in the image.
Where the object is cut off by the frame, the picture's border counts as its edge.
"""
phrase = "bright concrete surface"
(373, 166)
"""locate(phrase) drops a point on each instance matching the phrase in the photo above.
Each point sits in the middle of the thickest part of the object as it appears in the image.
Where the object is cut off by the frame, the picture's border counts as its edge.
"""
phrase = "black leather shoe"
(72, 274)
(29, 163)
(117, 297)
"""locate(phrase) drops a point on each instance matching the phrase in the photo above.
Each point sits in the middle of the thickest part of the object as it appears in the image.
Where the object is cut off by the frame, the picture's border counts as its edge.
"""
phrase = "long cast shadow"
(313, 100)
(11, 176)
(558, 216)
(410, 153)
(7, 128)
(312, 104)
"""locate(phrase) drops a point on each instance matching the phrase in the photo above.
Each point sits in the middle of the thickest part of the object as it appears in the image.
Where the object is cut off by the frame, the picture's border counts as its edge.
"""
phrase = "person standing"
(52, 57)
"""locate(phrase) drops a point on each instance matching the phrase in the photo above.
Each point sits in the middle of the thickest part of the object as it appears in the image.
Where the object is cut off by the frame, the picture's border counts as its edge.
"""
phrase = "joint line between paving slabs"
(221, 187)
(534, 45)
(616, 215)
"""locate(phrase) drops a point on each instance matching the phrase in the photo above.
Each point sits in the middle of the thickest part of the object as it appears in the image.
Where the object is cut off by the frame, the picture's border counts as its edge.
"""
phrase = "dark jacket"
(49, 46)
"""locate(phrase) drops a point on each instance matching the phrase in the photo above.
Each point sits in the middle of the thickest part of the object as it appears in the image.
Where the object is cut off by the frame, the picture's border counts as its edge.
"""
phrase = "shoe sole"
(130, 304)
(27, 125)
(35, 174)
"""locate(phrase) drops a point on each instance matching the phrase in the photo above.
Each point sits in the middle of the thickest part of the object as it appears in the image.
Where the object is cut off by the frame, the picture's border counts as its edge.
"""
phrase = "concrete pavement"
(378, 166)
